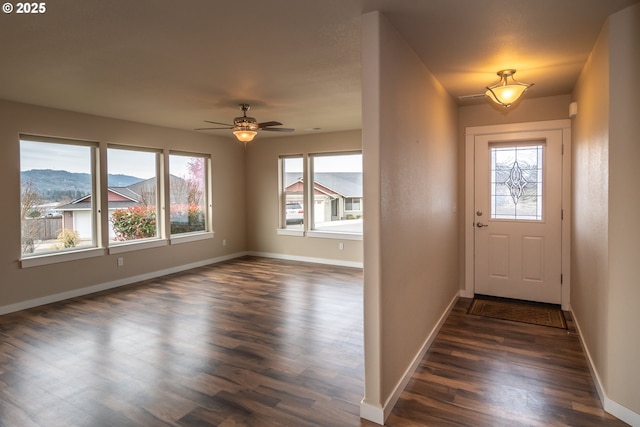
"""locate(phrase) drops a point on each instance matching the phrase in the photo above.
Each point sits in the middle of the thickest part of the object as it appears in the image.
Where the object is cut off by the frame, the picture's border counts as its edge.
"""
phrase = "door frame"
(469, 199)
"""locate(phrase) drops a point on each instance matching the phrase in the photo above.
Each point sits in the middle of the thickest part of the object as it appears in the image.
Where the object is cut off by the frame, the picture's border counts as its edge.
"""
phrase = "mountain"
(56, 185)
(122, 180)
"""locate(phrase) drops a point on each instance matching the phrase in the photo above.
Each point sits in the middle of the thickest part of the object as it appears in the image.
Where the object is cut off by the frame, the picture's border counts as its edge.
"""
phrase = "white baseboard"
(614, 408)
(375, 414)
(329, 261)
(379, 414)
(23, 305)
(621, 412)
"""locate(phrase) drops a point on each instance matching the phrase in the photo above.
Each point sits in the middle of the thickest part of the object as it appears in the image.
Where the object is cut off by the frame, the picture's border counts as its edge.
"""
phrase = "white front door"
(518, 215)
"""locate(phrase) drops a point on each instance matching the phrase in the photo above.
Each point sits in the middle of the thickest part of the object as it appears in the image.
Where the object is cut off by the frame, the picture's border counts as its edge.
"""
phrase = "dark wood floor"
(259, 342)
(487, 372)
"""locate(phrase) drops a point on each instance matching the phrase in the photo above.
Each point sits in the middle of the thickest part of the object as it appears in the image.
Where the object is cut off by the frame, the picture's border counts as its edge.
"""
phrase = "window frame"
(190, 236)
(313, 231)
(101, 242)
(282, 197)
(308, 229)
(349, 202)
(97, 246)
(150, 242)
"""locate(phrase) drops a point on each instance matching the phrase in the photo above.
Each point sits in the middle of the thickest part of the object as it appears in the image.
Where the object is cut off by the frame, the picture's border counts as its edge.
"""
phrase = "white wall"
(410, 227)
(605, 268)
(262, 198)
(20, 286)
(624, 208)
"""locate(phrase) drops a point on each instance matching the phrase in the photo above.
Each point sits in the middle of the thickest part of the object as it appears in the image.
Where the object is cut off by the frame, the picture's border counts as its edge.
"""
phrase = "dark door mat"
(519, 311)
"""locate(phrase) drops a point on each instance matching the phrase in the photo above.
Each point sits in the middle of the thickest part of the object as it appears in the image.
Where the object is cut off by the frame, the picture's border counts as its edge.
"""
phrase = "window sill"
(319, 234)
(334, 235)
(191, 237)
(135, 246)
(61, 257)
(290, 232)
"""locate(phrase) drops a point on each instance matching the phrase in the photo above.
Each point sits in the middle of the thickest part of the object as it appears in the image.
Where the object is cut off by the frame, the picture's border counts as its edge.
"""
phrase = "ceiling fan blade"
(229, 127)
(265, 124)
(278, 129)
(218, 123)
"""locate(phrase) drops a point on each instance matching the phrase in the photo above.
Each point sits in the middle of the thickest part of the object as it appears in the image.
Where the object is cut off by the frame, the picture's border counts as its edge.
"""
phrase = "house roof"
(125, 192)
(119, 197)
(128, 198)
(346, 184)
(86, 205)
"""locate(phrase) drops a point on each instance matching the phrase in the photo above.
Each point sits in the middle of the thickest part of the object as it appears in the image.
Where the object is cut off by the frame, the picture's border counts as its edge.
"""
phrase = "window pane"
(132, 194)
(293, 192)
(516, 182)
(57, 207)
(188, 193)
(337, 188)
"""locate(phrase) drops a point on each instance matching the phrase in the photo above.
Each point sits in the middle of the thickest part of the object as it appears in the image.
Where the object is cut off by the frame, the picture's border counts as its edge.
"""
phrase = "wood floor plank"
(488, 372)
(263, 342)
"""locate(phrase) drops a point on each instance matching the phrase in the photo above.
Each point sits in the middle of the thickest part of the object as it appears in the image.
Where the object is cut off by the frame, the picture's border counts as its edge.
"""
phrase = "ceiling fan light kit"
(505, 92)
(245, 135)
(246, 128)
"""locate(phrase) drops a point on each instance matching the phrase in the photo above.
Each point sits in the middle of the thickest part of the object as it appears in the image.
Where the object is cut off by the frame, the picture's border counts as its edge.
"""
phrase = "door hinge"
(561, 214)
(561, 278)
(563, 149)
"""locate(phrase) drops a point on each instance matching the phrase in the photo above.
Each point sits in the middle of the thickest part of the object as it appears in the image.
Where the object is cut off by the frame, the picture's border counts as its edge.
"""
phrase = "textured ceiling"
(176, 63)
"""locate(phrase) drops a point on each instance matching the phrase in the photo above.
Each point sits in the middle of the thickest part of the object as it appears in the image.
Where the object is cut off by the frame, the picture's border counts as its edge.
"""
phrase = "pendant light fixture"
(506, 91)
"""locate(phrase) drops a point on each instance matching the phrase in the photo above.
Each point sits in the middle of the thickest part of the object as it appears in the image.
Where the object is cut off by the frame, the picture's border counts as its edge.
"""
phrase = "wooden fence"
(46, 228)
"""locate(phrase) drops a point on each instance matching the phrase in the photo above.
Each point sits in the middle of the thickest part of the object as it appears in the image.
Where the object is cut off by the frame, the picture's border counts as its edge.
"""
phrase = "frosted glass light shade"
(504, 92)
(245, 135)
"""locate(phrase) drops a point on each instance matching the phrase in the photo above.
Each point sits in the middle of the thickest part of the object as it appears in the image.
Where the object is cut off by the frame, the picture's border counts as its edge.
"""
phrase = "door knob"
(480, 225)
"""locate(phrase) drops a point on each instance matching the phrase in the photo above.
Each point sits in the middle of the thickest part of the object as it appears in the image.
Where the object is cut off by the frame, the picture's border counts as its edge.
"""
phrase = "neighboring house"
(76, 215)
(337, 195)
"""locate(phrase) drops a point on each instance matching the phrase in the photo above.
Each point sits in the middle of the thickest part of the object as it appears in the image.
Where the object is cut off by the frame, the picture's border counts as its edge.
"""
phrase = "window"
(516, 182)
(353, 204)
(58, 195)
(337, 192)
(189, 193)
(132, 194)
(60, 199)
(292, 192)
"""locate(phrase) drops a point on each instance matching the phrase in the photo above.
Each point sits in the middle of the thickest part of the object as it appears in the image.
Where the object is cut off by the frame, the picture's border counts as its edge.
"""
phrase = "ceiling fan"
(245, 128)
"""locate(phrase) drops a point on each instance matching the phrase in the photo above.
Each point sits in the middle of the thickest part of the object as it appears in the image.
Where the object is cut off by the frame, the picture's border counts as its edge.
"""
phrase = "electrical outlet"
(224, 242)
(341, 246)
(120, 261)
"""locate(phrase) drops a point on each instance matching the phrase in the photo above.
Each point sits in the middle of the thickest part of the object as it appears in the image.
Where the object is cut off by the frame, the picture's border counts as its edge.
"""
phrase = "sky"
(77, 159)
(38, 155)
(141, 164)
